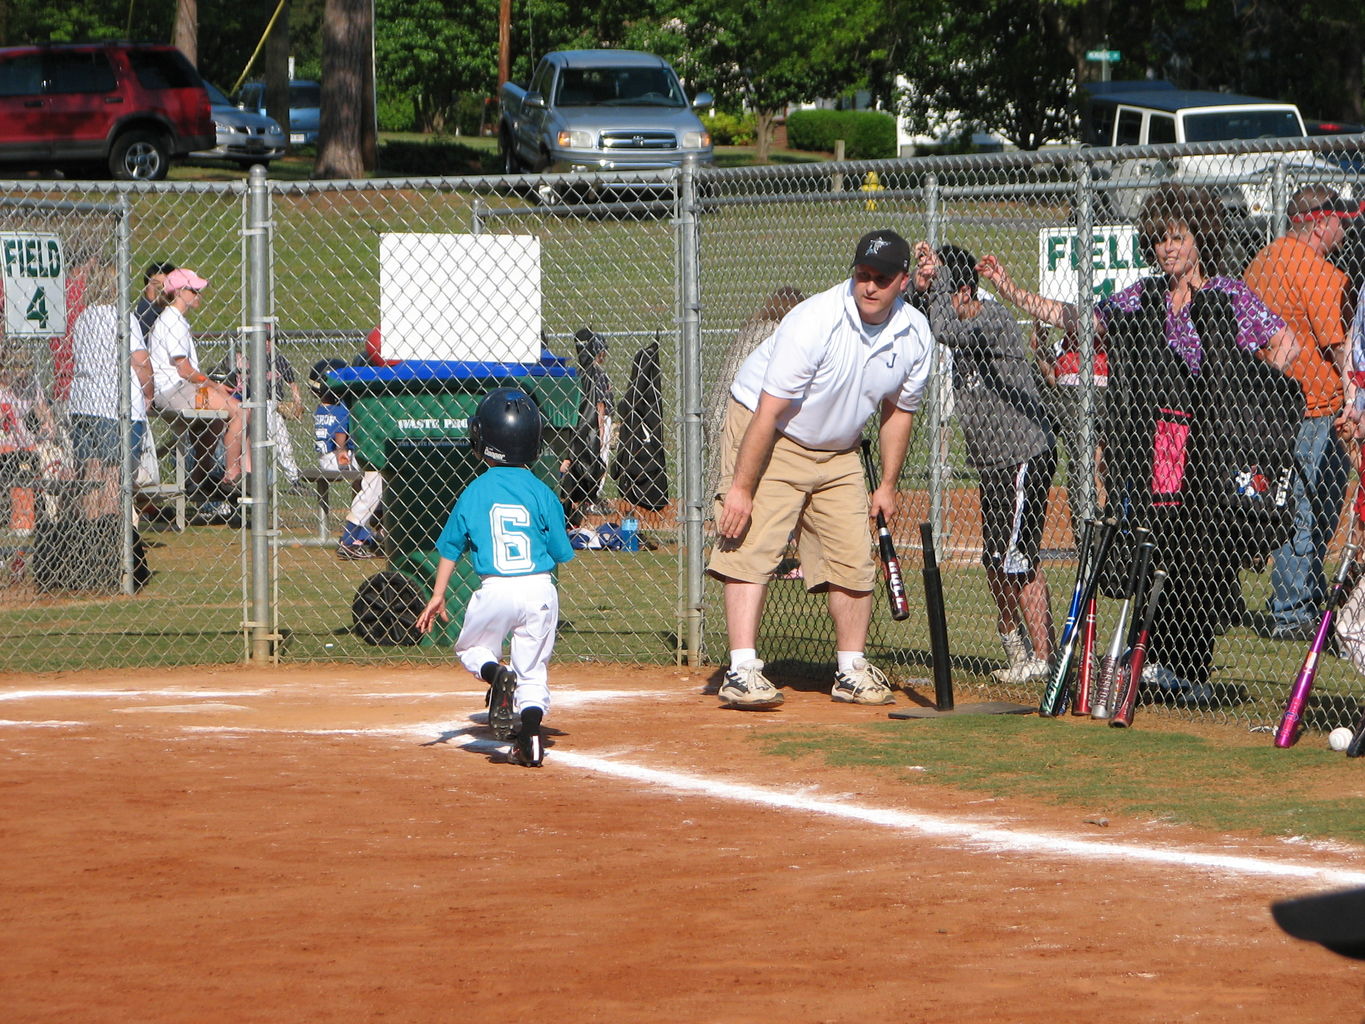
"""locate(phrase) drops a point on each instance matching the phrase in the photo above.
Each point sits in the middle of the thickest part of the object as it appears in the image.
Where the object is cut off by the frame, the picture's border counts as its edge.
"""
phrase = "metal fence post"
(127, 478)
(1279, 201)
(938, 448)
(1083, 482)
(257, 254)
(690, 371)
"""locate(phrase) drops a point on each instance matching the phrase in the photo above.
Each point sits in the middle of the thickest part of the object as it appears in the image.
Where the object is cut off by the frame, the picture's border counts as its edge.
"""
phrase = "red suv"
(128, 107)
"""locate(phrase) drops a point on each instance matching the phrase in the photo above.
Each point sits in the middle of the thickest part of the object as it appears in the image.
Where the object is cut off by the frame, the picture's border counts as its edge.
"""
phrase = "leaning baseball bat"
(1085, 675)
(1130, 674)
(1084, 554)
(1103, 705)
(896, 595)
(1357, 745)
(1288, 731)
(1055, 694)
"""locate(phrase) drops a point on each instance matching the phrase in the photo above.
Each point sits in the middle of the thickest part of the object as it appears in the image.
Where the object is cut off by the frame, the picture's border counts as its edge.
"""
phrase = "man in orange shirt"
(1295, 279)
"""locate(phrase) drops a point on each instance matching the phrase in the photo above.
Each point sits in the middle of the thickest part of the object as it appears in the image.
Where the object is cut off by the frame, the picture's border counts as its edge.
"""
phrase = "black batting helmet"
(317, 374)
(506, 428)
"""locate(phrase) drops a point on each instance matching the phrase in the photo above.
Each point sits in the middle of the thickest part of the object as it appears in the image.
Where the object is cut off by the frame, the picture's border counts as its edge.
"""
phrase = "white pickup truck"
(601, 111)
(1156, 112)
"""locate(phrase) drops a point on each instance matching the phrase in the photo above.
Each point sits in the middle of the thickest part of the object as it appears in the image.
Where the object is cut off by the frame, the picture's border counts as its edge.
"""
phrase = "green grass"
(1167, 775)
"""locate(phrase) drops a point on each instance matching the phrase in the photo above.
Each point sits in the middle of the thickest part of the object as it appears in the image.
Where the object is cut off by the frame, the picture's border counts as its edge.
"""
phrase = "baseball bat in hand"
(1054, 699)
(1130, 672)
(896, 596)
(1288, 731)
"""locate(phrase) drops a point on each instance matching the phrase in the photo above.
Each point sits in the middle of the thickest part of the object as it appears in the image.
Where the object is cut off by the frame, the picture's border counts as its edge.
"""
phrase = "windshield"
(1219, 126)
(305, 94)
(619, 87)
(216, 96)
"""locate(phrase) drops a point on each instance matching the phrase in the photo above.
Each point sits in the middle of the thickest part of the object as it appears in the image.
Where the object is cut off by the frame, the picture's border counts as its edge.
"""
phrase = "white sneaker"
(747, 687)
(1034, 670)
(863, 684)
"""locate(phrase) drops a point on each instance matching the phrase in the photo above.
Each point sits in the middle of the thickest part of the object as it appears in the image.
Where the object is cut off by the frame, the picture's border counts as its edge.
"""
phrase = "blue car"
(305, 102)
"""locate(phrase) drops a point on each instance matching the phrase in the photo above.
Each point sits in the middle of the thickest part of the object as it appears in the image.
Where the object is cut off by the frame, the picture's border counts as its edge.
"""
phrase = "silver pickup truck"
(601, 111)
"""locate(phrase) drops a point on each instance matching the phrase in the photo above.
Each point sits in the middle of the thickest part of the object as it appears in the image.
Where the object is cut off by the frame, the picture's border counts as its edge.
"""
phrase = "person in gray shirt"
(1009, 443)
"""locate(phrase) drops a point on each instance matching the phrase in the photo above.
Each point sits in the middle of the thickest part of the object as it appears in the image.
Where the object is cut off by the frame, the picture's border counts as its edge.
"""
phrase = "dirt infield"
(343, 843)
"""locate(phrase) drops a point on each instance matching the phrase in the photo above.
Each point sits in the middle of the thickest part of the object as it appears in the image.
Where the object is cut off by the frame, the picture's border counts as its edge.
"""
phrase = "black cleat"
(501, 698)
(528, 745)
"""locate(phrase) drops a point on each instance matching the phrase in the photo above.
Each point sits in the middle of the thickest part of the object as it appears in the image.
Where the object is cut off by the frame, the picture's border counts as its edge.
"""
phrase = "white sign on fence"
(35, 284)
(474, 298)
(1115, 255)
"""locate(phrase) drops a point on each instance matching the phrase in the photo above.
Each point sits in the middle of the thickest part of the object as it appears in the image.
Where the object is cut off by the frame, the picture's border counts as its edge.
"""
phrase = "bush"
(396, 114)
(730, 129)
(433, 159)
(867, 134)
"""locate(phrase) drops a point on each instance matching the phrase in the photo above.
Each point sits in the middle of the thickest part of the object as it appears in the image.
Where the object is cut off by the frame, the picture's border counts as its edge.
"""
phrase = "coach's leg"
(851, 611)
(743, 611)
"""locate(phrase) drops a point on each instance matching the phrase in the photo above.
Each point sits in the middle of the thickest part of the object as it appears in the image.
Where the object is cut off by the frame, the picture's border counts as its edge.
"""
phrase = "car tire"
(510, 163)
(139, 155)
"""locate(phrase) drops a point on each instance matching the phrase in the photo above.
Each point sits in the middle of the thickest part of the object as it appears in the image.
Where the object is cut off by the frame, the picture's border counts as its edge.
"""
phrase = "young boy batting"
(512, 526)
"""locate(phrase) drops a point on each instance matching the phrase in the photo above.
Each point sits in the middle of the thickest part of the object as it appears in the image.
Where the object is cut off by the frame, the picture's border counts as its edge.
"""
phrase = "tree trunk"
(277, 70)
(763, 134)
(347, 31)
(185, 34)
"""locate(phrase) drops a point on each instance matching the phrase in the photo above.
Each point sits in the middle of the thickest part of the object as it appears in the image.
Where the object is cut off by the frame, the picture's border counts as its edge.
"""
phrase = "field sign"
(1115, 255)
(35, 284)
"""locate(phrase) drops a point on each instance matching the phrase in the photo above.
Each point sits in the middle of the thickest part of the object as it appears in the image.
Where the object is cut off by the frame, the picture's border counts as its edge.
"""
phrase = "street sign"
(1115, 258)
(1103, 56)
(35, 284)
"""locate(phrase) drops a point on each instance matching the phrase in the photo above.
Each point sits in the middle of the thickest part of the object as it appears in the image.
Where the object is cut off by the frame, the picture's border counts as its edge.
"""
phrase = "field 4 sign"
(35, 284)
(1115, 259)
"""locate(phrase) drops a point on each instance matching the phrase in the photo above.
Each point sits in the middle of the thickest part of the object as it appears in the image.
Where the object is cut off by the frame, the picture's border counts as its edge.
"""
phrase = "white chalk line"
(968, 834)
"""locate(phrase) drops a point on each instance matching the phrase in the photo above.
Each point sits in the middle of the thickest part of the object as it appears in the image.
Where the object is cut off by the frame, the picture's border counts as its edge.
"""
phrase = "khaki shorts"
(178, 399)
(822, 496)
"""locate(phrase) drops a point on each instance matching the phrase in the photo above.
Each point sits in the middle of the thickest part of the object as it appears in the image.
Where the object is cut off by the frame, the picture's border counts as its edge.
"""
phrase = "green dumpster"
(411, 422)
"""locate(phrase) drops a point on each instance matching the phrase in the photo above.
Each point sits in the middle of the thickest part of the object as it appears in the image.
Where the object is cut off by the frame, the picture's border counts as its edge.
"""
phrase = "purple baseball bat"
(1288, 732)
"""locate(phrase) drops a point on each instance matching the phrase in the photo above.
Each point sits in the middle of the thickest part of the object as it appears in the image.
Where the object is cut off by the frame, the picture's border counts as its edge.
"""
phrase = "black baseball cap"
(884, 251)
(1334, 919)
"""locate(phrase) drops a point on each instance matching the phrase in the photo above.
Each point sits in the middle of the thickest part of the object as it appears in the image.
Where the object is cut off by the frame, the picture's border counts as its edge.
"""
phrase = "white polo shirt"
(837, 370)
(170, 337)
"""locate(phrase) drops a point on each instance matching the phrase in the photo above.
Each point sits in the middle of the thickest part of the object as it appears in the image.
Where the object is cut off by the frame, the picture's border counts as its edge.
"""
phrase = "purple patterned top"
(1256, 324)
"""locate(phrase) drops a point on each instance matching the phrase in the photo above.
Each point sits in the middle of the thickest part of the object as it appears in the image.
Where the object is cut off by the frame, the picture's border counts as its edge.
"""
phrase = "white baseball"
(1339, 738)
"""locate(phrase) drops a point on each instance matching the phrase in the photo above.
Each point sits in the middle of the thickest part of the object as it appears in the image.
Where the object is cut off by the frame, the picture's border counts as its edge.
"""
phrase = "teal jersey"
(510, 522)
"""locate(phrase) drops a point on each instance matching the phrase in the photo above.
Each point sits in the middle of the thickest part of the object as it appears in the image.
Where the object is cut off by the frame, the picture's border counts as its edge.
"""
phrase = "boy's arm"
(437, 605)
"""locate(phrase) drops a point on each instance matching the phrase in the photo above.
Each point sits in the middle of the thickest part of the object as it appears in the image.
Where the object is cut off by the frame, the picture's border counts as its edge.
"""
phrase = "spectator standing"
(798, 407)
(336, 451)
(1161, 451)
(1295, 279)
(94, 402)
(1009, 443)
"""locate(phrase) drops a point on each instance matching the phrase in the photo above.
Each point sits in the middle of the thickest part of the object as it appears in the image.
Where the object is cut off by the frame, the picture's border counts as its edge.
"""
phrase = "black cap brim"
(1334, 919)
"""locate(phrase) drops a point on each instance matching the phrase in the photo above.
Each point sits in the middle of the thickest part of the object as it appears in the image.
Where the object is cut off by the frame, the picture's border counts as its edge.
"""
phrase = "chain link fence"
(626, 316)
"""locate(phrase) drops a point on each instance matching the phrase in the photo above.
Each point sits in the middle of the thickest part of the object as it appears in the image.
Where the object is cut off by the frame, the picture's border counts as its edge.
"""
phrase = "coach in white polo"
(796, 415)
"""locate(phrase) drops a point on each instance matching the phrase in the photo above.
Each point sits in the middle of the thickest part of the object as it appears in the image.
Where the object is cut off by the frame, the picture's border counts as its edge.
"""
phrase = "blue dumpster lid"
(550, 365)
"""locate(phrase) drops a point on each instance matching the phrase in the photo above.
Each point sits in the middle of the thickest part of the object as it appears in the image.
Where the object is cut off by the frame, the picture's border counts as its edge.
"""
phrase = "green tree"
(768, 55)
(432, 51)
(961, 78)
